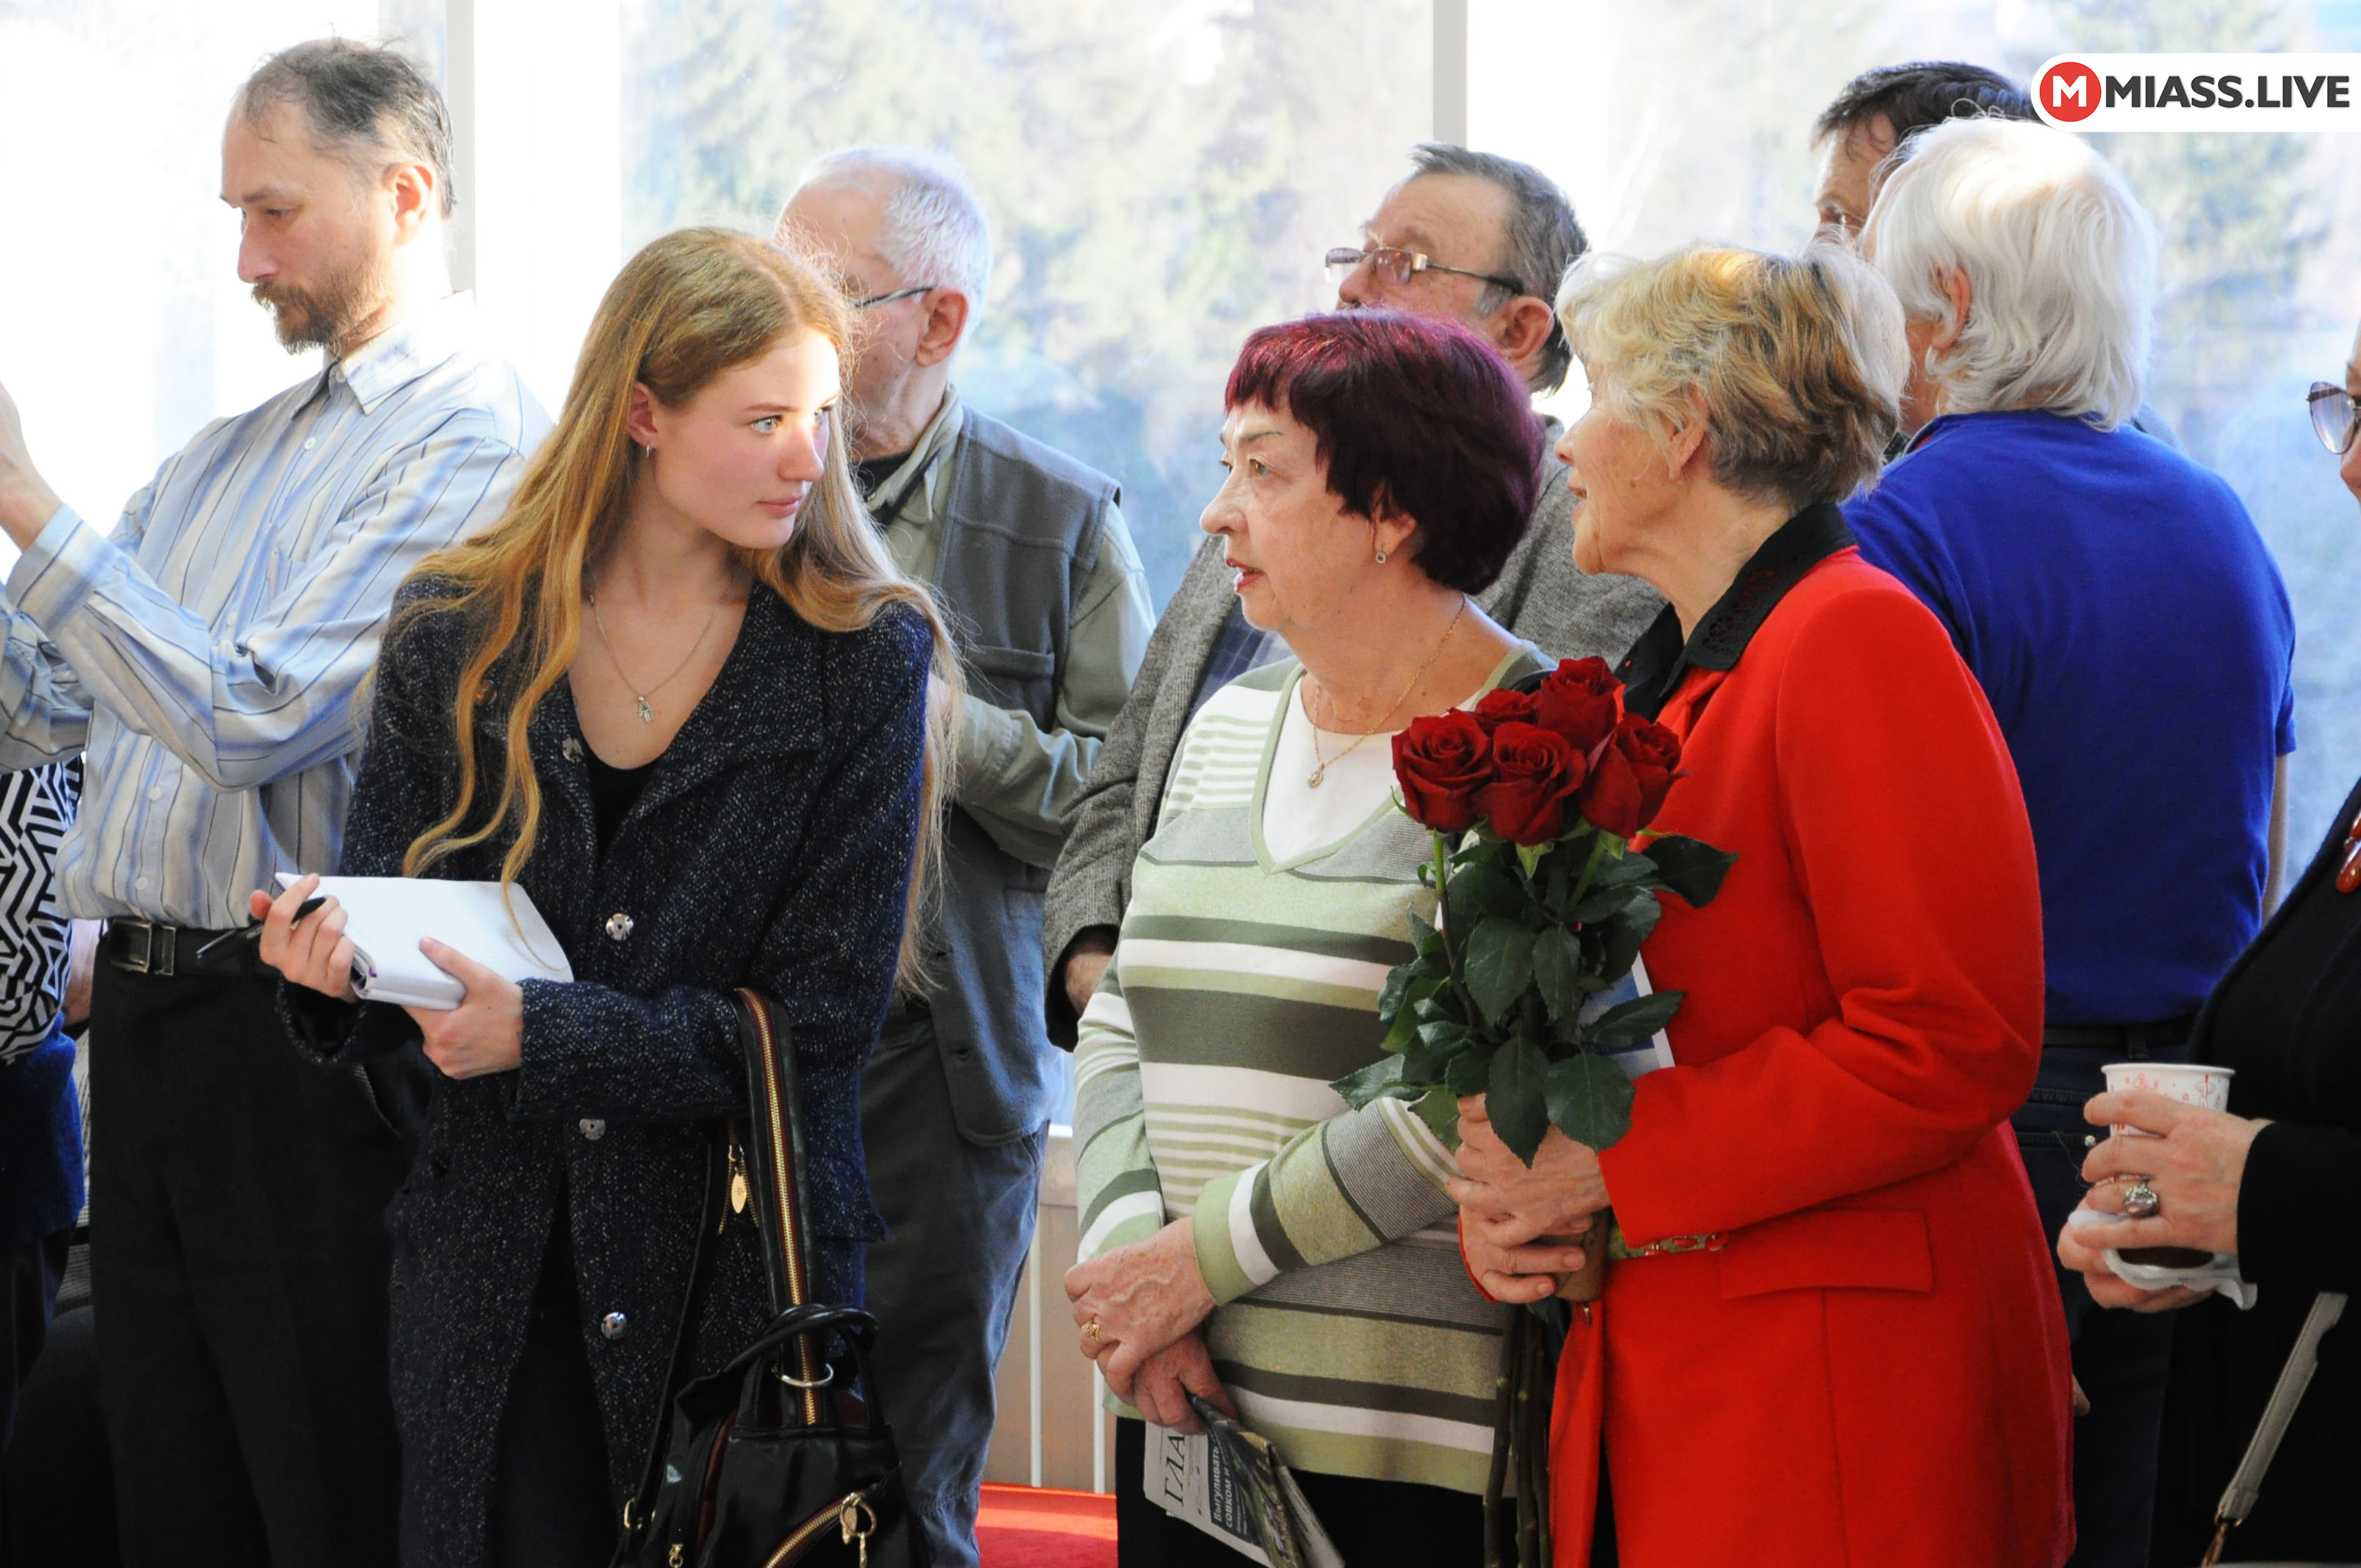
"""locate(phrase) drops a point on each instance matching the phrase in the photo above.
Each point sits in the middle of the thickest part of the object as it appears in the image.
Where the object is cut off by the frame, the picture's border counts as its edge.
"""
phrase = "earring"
(1382, 557)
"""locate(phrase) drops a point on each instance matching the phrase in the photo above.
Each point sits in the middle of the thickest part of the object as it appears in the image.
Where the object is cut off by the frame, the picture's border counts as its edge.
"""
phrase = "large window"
(1691, 118)
(123, 325)
(1161, 179)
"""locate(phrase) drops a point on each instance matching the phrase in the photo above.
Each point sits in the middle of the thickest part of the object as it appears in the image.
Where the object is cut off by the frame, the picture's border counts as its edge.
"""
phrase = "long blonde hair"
(687, 308)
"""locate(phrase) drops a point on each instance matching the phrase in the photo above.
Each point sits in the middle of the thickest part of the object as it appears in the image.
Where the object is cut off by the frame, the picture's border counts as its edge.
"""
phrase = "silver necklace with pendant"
(647, 709)
(1320, 774)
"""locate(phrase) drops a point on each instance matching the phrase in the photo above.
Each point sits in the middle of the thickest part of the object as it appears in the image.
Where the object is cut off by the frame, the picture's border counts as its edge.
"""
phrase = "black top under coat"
(2287, 1017)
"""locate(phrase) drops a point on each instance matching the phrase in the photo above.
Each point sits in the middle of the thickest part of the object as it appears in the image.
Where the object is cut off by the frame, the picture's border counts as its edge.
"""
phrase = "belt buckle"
(147, 961)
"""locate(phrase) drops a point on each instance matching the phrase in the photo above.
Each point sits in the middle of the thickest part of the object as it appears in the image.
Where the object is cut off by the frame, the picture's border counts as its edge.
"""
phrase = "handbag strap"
(776, 1130)
(2246, 1481)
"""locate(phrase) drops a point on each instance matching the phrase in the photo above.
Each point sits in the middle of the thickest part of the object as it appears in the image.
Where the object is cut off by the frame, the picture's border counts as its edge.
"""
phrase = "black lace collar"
(1653, 668)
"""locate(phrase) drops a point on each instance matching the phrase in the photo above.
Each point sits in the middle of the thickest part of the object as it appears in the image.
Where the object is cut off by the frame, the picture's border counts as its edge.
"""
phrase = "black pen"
(254, 933)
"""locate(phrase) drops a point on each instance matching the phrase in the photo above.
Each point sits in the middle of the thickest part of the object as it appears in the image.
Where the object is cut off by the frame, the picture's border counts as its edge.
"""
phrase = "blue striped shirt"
(207, 656)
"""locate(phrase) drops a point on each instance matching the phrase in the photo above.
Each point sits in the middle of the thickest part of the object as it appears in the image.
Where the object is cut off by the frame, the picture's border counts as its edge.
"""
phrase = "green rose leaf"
(1469, 1072)
(1597, 905)
(1379, 1080)
(1515, 1097)
(1439, 1110)
(1499, 960)
(1484, 887)
(1530, 856)
(1428, 939)
(1642, 910)
(1630, 1023)
(1629, 871)
(1557, 966)
(1589, 1100)
(1395, 995)
(1690, 867)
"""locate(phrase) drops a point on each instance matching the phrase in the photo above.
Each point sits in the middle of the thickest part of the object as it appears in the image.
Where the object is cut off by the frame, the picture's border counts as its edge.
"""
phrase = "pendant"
(1317, 774)
(647, 714)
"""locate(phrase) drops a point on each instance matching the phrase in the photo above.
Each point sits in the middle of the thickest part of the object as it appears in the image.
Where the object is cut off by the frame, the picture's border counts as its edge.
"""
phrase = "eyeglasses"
(896, 294)
(2333, 418)
(1397, 266)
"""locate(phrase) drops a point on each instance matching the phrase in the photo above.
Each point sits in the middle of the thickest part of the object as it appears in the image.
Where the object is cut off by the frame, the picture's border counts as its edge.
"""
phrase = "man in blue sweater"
(2135, 641)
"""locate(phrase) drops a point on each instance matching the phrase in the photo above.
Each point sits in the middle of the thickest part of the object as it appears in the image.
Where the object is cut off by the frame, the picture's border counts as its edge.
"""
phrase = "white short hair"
(2060, 261)
(935, 230)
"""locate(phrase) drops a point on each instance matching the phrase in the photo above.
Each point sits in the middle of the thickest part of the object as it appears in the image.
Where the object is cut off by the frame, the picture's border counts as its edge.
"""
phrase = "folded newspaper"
(1232, 1485)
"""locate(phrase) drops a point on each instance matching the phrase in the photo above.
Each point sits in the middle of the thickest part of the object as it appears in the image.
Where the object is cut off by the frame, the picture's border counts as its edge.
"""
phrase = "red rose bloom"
(1580, 699)
(1626, 784)
(1441, 762)
(1502, 705)
(1536, 776)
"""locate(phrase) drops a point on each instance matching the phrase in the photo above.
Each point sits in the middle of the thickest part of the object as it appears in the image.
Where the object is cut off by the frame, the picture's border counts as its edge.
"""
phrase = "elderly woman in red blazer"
(1830, 1334)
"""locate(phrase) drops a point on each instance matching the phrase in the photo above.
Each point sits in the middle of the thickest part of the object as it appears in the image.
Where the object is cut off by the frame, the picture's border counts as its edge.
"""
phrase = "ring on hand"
(2140, 1201)
(1091, 1330)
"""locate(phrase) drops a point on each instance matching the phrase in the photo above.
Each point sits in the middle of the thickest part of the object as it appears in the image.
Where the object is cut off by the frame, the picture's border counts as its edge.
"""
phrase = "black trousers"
(553, 1495)
(943, 1282)
(1375, 1524)
(239, 1268)
(2121, 1357)
(30, 1273)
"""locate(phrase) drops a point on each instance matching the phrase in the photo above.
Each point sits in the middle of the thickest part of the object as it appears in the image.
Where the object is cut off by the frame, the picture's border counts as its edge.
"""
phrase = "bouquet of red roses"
(1534, 800)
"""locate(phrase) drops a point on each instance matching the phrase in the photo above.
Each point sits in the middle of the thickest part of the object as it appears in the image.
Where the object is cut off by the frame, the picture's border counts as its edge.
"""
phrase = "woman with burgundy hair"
(1245, 1238)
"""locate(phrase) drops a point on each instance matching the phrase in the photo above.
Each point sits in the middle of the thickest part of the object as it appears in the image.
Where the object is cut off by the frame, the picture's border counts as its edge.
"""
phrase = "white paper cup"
(2191, 1083)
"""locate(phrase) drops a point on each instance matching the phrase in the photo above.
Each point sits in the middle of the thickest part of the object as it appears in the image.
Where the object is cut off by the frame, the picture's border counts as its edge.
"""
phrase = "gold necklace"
(647, 712)
(1320, 773)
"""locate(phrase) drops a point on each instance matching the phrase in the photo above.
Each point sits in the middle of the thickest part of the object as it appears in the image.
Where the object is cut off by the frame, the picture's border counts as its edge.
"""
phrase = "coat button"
(619, 926)
(593, 1128)
(613, 1324)
(571, 748)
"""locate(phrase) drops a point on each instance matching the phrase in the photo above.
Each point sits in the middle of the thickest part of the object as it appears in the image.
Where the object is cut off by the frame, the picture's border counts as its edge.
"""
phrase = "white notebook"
(388, 916)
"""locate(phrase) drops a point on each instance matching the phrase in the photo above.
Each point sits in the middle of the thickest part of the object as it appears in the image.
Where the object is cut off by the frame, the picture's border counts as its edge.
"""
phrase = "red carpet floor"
(1023, 1527)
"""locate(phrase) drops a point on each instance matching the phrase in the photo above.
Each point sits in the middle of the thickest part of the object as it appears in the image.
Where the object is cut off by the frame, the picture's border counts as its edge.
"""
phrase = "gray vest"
(1021, 529)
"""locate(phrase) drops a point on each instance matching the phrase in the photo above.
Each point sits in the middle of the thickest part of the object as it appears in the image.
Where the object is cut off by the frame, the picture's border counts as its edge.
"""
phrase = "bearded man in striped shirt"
(203, 658)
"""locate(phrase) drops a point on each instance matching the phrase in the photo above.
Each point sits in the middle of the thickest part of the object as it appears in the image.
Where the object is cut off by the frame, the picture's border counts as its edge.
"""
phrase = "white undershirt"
(1297, 818)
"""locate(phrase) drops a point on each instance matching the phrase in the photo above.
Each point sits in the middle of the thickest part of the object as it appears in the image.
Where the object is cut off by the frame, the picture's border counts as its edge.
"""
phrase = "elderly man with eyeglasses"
(1467, 236)
(1028, 551)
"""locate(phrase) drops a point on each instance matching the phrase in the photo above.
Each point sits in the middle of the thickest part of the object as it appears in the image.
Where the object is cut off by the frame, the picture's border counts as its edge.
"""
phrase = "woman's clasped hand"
(1138, 1308)
(1505, 1208)
(2193, 1163)
(484, 1033)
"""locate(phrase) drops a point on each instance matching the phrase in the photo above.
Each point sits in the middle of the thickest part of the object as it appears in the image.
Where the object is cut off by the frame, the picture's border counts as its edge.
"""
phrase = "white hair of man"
(935, 231)
(2060, 257)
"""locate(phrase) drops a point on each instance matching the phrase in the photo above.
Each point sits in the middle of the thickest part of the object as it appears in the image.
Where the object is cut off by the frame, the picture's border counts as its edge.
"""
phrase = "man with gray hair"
(1026, 550)
(204, 659)
(1467, 236)
(2072, 557)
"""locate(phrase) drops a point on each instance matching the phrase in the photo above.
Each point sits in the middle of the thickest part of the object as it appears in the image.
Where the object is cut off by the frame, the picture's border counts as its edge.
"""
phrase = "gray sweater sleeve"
(1090, 884)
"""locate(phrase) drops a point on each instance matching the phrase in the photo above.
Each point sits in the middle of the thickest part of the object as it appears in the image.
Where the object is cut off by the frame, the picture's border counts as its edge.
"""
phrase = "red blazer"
(1872, 1370)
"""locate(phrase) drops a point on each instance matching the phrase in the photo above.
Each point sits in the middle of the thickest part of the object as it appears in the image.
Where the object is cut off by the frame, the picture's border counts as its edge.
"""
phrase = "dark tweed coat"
(771, 848)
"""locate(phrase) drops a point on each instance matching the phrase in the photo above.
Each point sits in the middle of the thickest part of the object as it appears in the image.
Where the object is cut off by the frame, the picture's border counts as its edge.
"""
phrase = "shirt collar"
(423, 341)
(1652, 670)
(893, 500)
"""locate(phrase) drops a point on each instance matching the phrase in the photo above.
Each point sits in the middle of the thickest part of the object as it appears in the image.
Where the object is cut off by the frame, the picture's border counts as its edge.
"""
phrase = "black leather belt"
(149, 947)
(2128, 1042)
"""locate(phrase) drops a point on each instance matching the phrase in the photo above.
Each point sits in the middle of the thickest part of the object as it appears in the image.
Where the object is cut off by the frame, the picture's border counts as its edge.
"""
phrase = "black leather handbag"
(783, 1457)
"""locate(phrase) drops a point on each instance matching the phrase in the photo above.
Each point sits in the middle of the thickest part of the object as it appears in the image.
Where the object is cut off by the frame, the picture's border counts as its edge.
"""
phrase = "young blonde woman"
(679, 694)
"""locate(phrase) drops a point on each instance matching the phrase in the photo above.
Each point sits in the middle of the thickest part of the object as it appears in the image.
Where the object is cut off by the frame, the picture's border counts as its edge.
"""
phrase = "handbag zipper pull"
(854, 1520)
(742, 1189)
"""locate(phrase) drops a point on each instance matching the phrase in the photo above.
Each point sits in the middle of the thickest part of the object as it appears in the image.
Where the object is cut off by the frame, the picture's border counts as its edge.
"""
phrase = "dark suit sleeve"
(829, 949)
(1090, 884)
(2288, 1239)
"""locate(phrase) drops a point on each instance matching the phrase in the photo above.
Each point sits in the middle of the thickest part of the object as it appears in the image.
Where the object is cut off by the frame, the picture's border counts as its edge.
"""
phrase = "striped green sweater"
(1347, 1331)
